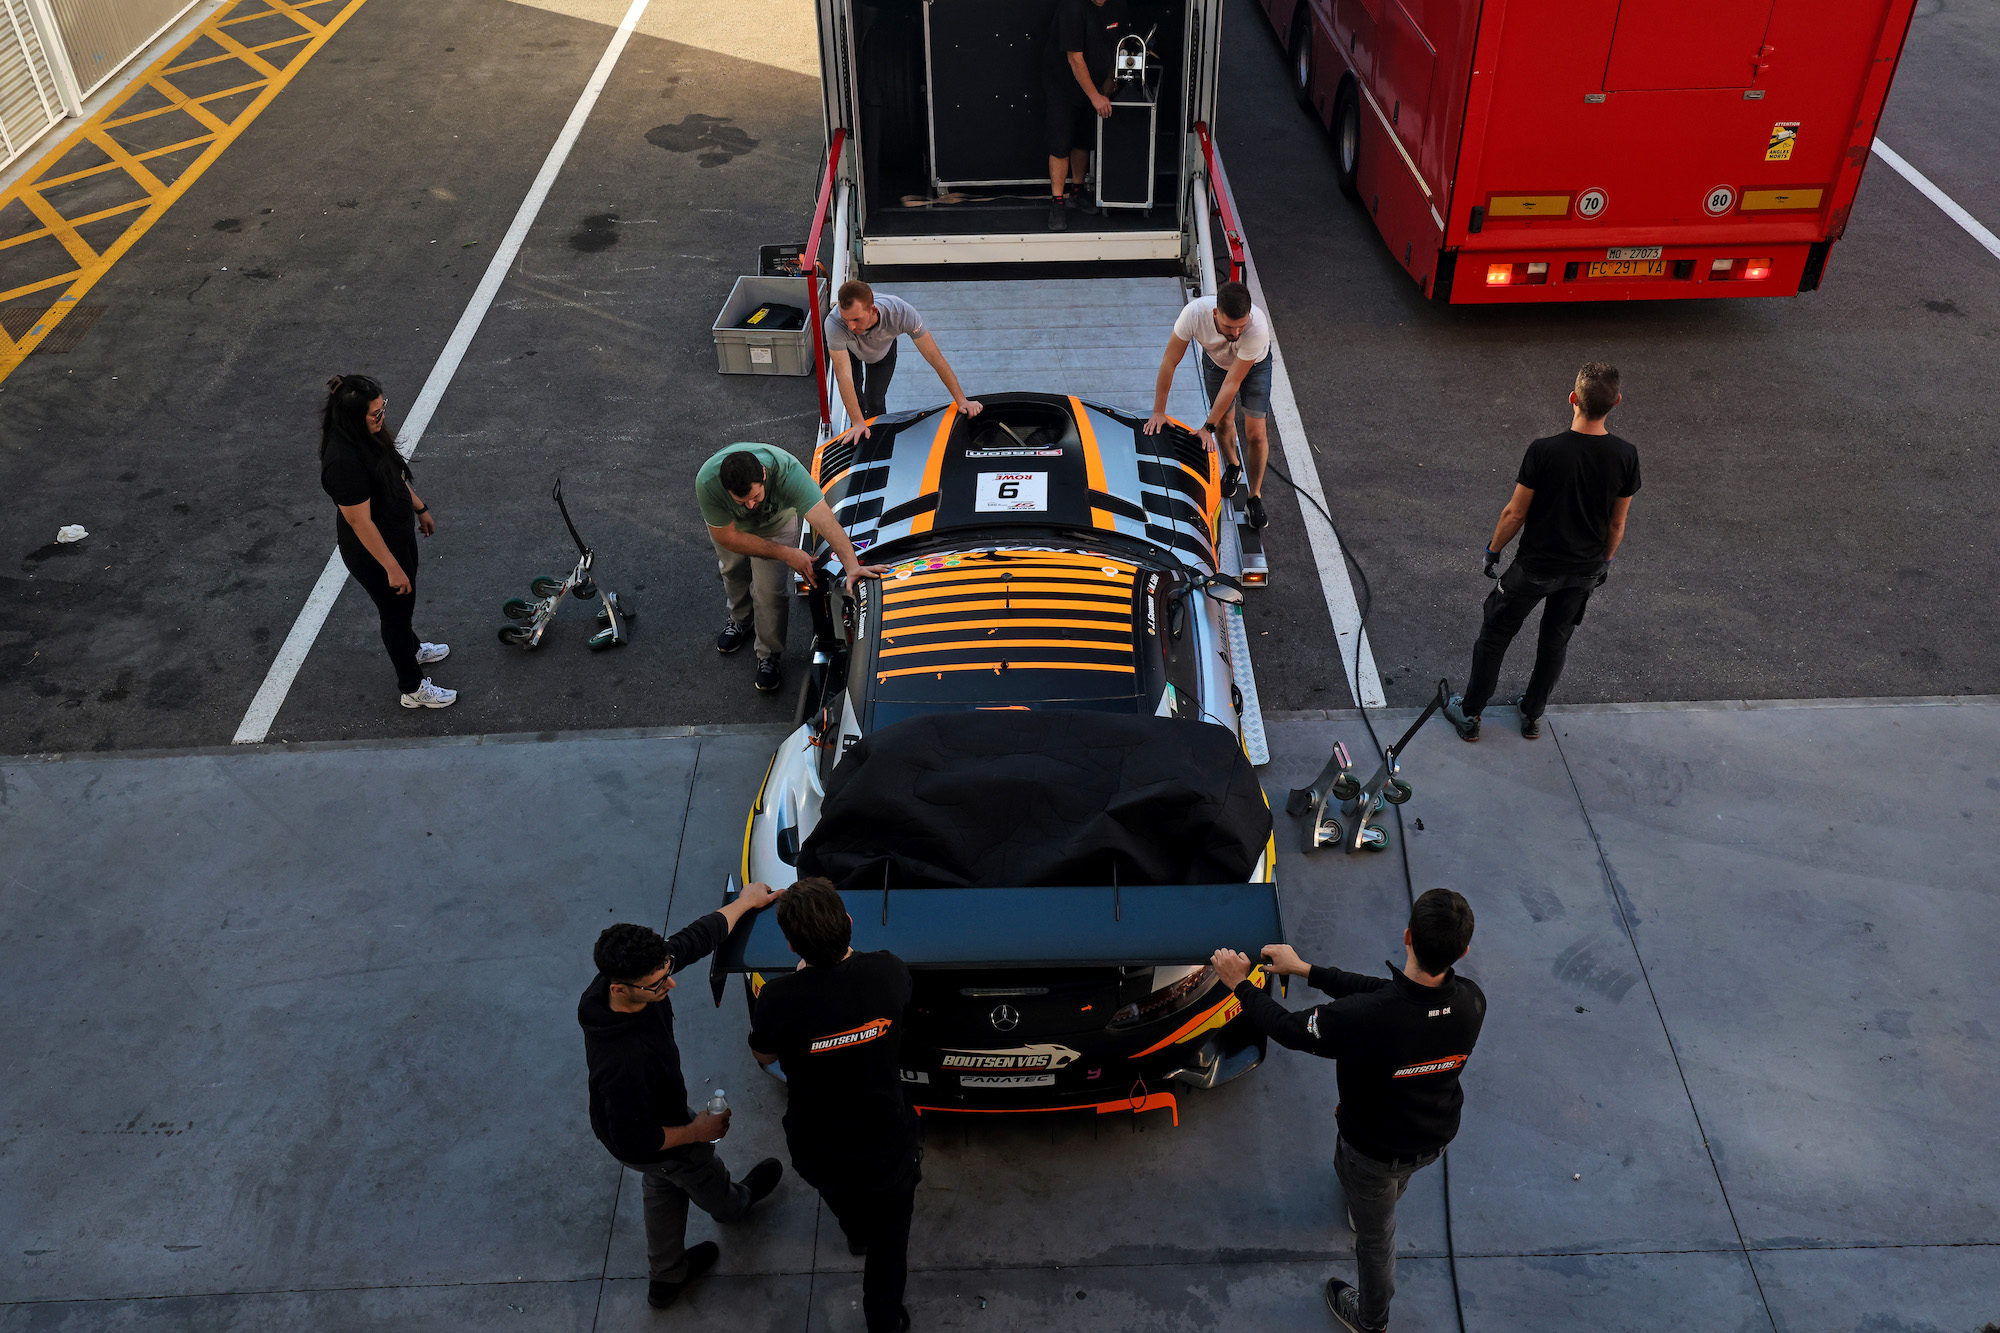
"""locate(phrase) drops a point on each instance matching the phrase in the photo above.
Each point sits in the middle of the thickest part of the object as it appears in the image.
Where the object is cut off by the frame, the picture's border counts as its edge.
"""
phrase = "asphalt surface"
(1814, 521)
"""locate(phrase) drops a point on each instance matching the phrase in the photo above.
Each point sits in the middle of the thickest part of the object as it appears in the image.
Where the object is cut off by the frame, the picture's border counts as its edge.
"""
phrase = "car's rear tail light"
(1506, 275)
(1163, 1001)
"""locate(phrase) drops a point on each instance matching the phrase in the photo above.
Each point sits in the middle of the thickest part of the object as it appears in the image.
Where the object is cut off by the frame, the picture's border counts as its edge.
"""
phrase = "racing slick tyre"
(1347, 138)
(518, 608)
(545, 586)
(516, 636)
(1397, 791)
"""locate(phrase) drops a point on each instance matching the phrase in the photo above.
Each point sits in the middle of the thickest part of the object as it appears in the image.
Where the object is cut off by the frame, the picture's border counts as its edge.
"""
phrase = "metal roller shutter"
(103, 34)
(28, 100)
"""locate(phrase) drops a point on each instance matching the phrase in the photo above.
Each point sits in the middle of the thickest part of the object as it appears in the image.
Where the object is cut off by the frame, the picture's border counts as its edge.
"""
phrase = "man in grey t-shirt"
(865, 329)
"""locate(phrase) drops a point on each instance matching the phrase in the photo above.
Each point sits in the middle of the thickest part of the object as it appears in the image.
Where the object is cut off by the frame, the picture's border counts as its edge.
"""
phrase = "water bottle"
(717, 1105)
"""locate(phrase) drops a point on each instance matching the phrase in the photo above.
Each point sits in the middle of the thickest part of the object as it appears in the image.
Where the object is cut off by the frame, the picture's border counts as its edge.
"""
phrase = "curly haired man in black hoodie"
(638, 1098)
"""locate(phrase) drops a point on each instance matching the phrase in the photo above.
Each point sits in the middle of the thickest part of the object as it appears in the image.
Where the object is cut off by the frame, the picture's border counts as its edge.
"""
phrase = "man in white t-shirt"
(862, 335)
(1235, 339)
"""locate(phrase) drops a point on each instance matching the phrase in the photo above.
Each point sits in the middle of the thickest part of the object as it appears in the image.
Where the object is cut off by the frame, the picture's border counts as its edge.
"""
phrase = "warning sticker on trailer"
(1783, 135)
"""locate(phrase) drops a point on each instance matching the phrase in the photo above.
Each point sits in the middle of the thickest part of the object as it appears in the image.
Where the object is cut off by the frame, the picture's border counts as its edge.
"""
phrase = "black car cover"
(1042, 797)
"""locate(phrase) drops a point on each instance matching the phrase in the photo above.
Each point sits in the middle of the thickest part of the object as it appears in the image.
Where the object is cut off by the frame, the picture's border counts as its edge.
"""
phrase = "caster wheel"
(516, 636)
(1346, 787)
(601, 640)
(545, 586)
(1374, 838)
(585, 590)
(1397, 791)
(518, 608)
(1330, 835)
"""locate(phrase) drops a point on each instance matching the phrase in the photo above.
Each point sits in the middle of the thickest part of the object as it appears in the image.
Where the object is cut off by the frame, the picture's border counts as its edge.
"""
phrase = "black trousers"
(1507, 608)
(396, 609)
(874, 383)
(878, 1216)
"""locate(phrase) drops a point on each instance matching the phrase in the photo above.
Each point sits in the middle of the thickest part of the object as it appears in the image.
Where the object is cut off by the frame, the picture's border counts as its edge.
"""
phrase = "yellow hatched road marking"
(268, 73)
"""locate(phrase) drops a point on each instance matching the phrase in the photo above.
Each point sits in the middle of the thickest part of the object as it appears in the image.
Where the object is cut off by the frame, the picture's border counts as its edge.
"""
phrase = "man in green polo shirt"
(752, 496)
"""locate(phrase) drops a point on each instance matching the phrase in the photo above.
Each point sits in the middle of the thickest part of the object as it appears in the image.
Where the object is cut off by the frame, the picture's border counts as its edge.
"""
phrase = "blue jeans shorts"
(1253, 395)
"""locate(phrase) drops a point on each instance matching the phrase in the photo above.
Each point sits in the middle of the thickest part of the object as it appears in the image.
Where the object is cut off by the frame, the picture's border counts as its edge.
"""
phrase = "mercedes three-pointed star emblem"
(1005, 1017)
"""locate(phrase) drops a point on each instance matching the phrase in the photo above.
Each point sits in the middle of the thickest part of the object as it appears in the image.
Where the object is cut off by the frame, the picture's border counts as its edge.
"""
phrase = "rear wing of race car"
(1134, 925)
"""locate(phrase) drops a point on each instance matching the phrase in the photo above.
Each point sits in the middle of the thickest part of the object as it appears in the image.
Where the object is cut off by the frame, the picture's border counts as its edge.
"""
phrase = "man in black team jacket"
(836, 1026)
(638, 1099)
(1399, 1041)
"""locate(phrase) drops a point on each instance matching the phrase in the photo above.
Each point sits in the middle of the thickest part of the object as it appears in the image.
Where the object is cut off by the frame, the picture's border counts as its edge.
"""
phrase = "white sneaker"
(428, 653)
(428, 695)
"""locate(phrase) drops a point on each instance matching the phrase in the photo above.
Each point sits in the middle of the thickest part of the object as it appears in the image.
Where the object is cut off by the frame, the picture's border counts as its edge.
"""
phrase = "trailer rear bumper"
(1735, 269)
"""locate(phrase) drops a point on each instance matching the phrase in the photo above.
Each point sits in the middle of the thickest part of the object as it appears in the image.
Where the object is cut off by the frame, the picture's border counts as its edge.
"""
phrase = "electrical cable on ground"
(1367, 602)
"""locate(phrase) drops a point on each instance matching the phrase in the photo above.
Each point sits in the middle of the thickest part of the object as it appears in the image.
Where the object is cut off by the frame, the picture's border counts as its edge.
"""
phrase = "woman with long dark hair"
(380, 514)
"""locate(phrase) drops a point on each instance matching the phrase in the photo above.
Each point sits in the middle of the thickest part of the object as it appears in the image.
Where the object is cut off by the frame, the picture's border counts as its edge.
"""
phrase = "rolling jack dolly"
(532, 616)
(1360, 801)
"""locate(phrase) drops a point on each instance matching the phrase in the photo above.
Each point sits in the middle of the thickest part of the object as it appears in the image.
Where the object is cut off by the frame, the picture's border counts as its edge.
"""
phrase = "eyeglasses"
(380, 412)
(656, 988)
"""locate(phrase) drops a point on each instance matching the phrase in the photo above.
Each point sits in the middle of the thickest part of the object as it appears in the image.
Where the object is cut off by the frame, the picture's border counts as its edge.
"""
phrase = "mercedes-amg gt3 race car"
(1018, 757)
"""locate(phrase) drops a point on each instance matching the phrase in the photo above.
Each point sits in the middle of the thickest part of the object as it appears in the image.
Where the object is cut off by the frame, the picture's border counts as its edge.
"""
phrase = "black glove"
(1490, 565)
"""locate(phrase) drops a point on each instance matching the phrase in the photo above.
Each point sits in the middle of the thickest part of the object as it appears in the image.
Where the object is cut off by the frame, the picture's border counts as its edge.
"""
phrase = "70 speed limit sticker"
(1719, 200)
(1591, 203)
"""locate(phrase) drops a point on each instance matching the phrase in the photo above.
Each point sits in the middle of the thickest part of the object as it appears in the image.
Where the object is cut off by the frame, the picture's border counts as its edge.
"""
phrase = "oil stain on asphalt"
(712, 136)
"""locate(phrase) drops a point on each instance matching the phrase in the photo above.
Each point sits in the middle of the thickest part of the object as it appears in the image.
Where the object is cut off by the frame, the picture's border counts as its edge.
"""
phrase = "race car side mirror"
(1221, 588)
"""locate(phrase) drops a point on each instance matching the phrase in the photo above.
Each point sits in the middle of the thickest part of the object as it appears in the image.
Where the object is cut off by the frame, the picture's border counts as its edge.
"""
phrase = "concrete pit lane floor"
(293, 1045)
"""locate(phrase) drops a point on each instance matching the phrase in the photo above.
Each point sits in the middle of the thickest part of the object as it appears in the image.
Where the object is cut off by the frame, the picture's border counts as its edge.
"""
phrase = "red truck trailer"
(1599, 150)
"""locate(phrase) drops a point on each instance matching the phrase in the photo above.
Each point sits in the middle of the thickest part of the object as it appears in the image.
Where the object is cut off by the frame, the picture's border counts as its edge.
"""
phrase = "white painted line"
(1944, 201)
(1357, 659)
(256, 724)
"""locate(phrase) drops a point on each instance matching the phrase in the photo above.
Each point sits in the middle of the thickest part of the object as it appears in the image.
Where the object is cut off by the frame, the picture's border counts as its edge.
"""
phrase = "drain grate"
(64, 337)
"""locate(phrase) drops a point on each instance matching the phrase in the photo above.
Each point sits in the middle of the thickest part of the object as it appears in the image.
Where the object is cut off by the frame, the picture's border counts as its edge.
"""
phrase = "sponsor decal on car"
(1013, 453)
(1006, 1080)
(838, 1041)
(1046, 1056)
(924, 564)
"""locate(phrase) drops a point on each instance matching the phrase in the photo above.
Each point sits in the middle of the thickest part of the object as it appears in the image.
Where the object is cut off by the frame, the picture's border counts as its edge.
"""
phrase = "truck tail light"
(1505, 275)
(1739, 270)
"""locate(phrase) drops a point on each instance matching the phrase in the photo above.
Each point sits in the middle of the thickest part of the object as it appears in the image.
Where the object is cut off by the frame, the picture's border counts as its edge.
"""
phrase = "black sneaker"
(734, 635)
(769, 674)
(1454, 713)
(1531, 727)
(1253, 510)
(1085, 204)
(763, 1178)
(700, 1258)
(1058, 216)
(1232, 477)
(1345, 1303)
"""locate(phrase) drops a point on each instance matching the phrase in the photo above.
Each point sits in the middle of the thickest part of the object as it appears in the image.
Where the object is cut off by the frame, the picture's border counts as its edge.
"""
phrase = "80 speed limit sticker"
(1719, 200)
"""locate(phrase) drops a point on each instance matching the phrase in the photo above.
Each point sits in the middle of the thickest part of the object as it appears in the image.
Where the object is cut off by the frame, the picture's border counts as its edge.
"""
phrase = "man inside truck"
(1076, 86)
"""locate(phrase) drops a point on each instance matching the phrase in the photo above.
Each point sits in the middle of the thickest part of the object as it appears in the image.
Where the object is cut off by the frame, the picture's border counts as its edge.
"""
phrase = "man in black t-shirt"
(1569, 504)
(836, 1028)
(1399, 1043)
(1076, 78)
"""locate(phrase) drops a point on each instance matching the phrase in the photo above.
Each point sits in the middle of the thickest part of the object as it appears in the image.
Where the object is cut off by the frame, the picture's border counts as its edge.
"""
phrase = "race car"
(1018, 757)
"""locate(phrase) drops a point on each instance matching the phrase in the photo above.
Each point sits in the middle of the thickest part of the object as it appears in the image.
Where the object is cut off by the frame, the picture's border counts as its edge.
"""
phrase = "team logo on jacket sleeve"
(837, 1041)
(1443, 1066)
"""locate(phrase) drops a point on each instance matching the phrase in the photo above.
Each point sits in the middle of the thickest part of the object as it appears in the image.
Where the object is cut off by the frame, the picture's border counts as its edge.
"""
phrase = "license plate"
(1629, 268)
(1006, 1080)
(1633, 252)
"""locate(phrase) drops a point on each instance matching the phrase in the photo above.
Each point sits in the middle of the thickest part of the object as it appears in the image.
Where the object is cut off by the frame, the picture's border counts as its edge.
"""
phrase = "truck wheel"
(1300, 49)
(1347, 138)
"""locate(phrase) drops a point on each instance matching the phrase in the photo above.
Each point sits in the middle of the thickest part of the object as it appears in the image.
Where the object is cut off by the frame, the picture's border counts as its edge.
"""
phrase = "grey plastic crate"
(748, 352)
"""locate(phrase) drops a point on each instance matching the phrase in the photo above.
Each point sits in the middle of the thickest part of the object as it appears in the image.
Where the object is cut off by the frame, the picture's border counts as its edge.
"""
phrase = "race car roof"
(1023, 626)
